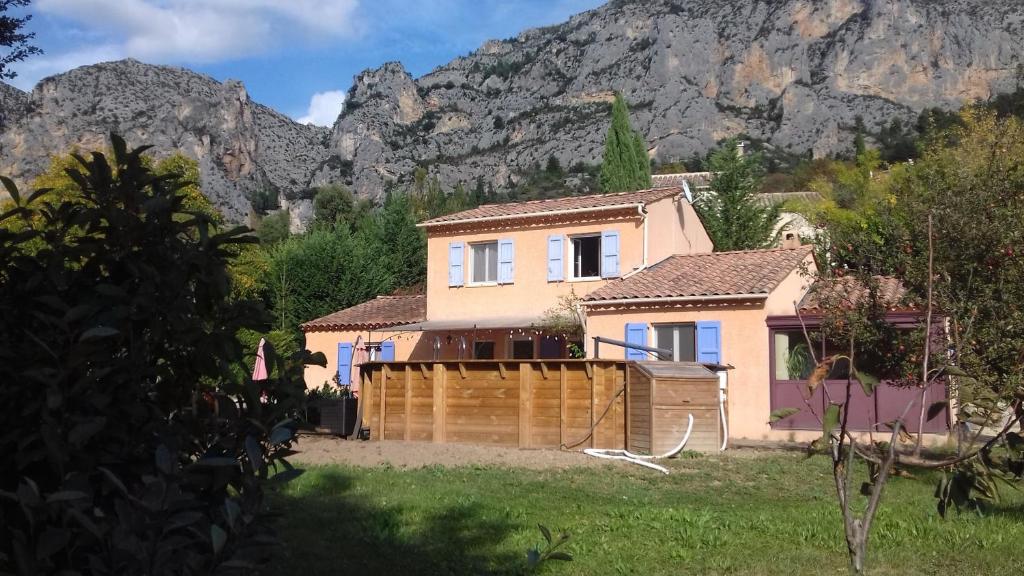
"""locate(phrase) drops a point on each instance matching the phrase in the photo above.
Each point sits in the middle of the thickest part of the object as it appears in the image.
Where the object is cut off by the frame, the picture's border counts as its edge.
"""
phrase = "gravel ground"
(314, 450)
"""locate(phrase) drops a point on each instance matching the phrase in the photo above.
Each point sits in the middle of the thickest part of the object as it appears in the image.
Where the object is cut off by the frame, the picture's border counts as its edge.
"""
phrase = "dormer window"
(586, 257)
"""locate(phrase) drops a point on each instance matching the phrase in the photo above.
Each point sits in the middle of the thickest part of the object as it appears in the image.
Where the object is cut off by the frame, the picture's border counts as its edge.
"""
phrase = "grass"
(755, 514)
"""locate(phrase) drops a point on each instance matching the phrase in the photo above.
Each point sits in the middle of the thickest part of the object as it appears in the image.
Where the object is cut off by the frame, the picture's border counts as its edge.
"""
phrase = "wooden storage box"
(660, 395)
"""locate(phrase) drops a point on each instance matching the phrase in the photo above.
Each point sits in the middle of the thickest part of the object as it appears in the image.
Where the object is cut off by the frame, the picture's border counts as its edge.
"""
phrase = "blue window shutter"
(345, 363)
(455, 263)
(387, 351)
(609, 254)
(556, 259)
(709, 341)
(506, 261)
(636, 334)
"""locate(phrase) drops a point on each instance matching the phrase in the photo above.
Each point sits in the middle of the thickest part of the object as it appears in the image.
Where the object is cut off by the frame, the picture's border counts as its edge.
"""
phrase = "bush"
(129, 446)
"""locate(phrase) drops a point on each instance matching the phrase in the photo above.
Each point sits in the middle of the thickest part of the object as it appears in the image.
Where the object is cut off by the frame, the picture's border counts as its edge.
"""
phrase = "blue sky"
(297, 56)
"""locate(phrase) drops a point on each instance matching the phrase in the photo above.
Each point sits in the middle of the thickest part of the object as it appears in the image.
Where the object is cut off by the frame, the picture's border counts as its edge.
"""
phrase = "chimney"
(791, 239)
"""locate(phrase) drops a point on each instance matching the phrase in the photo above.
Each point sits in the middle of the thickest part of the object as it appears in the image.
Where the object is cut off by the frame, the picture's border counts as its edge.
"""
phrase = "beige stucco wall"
(408, 345)
(675, 228)
(531, 293)
(744, 346)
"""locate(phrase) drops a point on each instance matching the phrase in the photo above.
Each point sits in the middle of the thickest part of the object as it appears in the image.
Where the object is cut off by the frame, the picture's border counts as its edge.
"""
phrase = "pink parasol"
(259, 370)
(359, 357)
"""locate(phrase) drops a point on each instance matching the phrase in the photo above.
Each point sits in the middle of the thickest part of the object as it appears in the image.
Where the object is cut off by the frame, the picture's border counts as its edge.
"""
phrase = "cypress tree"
(625, 165)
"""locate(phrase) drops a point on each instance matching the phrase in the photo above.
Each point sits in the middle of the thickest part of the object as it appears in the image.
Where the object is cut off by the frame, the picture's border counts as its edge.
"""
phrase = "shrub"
(129, 447)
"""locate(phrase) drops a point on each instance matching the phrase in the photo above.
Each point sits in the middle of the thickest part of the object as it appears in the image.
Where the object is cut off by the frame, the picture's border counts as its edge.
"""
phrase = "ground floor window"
(681, 339)
(792, 363)
(483, 350)
(522, 349)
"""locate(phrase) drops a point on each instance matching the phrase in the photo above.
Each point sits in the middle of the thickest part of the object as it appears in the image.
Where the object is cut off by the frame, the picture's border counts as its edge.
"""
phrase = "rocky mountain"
(242, 147)
(795, 74)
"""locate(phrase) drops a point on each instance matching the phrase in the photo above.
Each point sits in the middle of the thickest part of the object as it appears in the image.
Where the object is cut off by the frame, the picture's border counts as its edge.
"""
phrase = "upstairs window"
(586, 257)
(681, 339)
(484, 262)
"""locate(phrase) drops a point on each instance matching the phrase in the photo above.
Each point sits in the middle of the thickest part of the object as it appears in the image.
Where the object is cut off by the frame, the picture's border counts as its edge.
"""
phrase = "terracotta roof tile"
(381, 312)
(544, 207)
(710, 275)
(849, 291)
(696, 180)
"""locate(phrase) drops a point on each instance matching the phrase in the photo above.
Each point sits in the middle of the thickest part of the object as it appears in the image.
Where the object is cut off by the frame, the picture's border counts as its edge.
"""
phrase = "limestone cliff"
(794, 73)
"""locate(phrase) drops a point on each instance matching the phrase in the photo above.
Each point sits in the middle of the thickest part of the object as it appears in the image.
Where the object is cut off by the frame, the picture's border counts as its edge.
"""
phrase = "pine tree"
(732, 215)
(625, 165)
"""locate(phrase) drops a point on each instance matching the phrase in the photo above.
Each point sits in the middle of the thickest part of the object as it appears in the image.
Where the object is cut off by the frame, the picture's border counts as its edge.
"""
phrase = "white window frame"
(572, 258)
(472, 263)
(675, 338)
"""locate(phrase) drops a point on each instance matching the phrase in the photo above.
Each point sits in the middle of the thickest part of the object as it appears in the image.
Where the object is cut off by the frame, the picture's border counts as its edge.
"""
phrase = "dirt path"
(313, 450)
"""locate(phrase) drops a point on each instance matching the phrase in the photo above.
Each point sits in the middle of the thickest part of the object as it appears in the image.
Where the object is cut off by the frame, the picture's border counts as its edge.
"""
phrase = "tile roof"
(381, 312)
(707, 275)
(696, 180)
(849, 291)
(544, 207)
(769, 198)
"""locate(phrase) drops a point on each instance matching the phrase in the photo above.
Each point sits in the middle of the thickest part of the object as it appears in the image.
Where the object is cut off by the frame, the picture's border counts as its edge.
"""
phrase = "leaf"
(65, 495)
(782, 414)
(164, 460)
(830, 420)
(936, 408)
(218, 538)
(255, 453)
(281, 434)
(97, 332)
(81, 433)
(544, 530)
(232, 511)
(11, 189)
(867, 382)
(955, 371)
(820, 373)
(216, 461)
(287, 475)
(564, 556)
(51, 541)
(113, 479)
(316, 359)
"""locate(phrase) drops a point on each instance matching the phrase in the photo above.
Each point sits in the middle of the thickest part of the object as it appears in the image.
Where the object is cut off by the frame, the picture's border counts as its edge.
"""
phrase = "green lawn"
(713, 515)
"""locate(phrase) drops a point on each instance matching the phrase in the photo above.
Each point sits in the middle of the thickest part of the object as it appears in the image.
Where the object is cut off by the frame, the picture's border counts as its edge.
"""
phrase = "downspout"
(642, 211)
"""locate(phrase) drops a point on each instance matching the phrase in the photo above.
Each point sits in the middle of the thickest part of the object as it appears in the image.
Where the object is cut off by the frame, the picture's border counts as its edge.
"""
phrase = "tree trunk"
(857, 543)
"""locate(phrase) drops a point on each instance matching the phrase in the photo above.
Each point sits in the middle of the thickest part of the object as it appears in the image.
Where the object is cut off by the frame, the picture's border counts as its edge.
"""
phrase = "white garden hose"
(640, 459)
(722, 383)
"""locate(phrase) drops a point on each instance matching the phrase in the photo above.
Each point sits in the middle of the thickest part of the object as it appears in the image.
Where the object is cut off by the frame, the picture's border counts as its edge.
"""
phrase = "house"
(641, 265)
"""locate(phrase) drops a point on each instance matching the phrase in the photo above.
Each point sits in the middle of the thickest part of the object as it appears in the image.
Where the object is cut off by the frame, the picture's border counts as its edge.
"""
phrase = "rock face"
(241, 146)
(794, 73)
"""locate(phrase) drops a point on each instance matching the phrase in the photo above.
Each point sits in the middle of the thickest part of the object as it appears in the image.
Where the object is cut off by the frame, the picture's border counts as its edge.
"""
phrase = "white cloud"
(324, 108)
(206, 30)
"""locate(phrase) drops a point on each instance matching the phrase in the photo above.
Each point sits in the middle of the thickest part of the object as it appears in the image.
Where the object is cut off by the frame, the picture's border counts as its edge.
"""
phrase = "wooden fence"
(521, 403)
